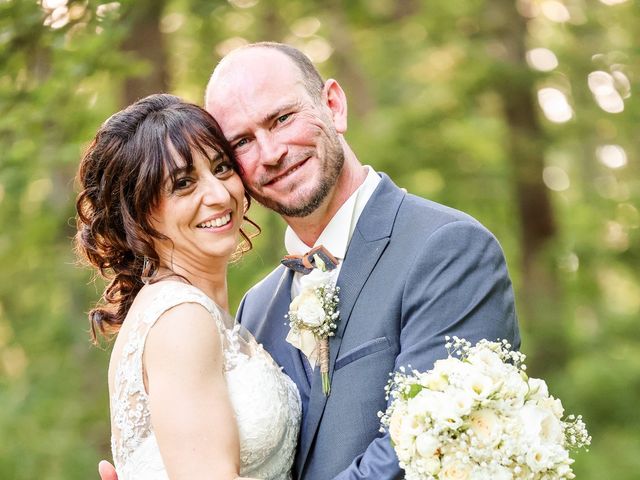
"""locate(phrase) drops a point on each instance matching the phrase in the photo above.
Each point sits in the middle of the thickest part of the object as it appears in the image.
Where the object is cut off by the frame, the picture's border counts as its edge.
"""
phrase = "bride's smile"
(217, 222)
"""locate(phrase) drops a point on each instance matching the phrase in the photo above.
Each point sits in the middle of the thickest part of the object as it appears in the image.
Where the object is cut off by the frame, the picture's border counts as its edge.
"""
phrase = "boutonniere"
(313, 318)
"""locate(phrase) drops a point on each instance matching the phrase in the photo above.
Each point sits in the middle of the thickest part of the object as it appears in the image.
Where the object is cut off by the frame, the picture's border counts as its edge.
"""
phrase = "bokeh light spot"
(555, 105)
(542, 59)
(555, 11)
(556, 179)
(612, 156)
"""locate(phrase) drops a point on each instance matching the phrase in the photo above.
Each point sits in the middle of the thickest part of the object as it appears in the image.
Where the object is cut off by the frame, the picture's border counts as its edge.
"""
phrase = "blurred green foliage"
(448, 97)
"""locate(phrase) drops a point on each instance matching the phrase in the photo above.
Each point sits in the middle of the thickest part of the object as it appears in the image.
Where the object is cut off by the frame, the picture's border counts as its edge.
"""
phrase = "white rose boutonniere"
(313, 317)
(317, 278)
(308, 308)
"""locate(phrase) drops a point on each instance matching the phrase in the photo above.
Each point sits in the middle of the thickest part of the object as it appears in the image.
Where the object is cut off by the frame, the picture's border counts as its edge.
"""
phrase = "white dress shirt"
(336, 235)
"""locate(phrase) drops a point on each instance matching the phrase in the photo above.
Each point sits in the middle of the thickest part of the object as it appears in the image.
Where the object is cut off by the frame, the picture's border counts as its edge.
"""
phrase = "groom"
(411, 271)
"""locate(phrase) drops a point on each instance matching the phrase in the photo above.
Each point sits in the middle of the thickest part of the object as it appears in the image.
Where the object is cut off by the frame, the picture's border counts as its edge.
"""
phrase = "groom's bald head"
(309, 75)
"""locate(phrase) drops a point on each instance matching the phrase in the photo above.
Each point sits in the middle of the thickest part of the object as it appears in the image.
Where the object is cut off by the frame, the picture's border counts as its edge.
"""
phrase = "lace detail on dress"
(266, 402)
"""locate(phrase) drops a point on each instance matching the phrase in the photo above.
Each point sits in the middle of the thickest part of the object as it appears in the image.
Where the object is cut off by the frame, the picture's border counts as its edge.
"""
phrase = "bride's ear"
(335, 99)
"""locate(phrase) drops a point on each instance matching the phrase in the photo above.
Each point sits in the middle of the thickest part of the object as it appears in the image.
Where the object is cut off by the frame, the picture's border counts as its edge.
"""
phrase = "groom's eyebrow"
(278, 111)
(268, 118)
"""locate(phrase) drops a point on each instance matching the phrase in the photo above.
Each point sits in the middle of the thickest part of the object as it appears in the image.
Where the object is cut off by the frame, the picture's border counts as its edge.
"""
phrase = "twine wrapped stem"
(324, 364)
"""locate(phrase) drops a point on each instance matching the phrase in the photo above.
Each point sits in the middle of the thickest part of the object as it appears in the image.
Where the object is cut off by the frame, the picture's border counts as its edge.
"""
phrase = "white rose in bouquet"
(454, 469)
(427, 445)
(491, 473)
(488, 360)
(481, 386)
(537, 389)
(446, 414)
(434, 381)
(486, 427)
(540, 425)
(461, 403)
(450, 367)
(395, 423)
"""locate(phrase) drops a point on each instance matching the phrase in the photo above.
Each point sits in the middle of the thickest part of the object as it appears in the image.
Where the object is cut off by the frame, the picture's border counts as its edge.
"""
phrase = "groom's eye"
(240, 143)
(283, 118)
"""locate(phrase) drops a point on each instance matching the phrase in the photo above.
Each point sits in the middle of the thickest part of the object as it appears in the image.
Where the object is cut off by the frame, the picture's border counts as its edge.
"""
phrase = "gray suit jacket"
(415, 271)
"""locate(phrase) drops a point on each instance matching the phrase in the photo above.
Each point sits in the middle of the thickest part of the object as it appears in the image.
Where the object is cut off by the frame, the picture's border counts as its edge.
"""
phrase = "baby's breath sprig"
(575, 432)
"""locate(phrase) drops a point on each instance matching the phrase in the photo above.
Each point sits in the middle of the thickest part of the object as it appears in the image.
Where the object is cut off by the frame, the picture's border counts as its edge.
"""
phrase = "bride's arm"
(190, 409)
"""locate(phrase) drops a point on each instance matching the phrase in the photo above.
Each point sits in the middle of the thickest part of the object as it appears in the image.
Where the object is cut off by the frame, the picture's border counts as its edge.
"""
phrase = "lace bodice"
(264, 399)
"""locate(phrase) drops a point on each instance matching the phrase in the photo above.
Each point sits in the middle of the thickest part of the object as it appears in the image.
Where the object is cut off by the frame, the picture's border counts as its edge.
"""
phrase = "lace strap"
(173, 294)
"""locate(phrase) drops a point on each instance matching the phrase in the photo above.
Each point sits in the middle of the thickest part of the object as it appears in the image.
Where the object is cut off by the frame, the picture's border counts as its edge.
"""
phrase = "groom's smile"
(285, 174)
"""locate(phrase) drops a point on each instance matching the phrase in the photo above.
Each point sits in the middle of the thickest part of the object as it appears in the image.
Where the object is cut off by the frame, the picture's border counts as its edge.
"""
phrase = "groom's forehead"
(258, 65)
(256, 86)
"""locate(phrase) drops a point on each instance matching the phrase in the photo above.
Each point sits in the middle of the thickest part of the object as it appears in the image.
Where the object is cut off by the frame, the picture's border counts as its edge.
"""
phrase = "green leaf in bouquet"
(414, 390)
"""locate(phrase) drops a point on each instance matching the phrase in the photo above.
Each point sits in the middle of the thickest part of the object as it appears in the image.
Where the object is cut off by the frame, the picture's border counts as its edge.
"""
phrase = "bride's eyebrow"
(169, 177)
(180, 170)
(216, 157)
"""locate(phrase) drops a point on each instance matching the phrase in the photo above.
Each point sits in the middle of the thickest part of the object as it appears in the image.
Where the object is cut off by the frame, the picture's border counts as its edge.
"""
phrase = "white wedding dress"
(266, 402)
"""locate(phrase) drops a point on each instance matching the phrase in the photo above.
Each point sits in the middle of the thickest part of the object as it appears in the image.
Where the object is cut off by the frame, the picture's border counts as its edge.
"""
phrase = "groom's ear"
(335, 99)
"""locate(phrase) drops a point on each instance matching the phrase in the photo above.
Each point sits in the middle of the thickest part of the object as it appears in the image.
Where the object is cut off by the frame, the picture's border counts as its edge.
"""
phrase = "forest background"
(522, 113)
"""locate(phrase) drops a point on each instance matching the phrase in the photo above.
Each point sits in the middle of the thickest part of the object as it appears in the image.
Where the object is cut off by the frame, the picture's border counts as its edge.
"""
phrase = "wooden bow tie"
(305, 263)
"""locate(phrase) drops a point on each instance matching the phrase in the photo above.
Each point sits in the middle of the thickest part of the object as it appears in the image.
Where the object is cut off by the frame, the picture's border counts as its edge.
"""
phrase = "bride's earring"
(147, 266)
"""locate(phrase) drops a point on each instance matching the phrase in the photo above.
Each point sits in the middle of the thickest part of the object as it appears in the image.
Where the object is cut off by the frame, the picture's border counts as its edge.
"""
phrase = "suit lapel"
(274, 328)
(367, 244)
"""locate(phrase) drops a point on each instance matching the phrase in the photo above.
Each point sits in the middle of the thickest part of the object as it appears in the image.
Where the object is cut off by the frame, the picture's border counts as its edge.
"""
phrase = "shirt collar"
(337, 234)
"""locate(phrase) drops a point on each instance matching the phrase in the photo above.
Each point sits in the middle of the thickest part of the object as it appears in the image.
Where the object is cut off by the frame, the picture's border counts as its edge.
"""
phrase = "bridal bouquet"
(476, 415)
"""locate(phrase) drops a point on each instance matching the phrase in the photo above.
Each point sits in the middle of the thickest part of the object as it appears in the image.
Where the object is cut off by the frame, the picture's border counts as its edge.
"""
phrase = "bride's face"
(200, 211)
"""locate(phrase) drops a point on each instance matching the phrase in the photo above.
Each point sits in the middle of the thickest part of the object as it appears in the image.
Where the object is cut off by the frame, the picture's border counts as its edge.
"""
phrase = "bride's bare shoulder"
(150, 291)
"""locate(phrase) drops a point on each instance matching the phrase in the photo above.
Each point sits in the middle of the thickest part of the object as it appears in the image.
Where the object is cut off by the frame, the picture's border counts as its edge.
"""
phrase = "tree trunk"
(146, 42)
(348, 70)
(540, 299)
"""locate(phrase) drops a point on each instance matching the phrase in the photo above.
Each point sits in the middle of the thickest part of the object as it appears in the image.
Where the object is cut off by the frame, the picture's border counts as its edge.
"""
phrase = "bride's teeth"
(218, 222)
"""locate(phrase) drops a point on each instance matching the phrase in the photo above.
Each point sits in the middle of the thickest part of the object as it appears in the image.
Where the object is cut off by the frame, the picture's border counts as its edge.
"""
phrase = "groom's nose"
(272, 150)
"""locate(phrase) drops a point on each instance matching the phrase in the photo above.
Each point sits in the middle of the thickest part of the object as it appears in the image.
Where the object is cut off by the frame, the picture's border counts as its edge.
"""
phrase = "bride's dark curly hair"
(121, 176)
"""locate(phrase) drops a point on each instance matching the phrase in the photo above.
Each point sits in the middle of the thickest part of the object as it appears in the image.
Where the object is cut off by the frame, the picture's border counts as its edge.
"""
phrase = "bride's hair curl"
(121, 176)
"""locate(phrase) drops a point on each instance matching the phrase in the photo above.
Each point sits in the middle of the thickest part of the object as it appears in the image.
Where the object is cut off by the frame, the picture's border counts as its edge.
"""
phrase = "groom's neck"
(310, 227)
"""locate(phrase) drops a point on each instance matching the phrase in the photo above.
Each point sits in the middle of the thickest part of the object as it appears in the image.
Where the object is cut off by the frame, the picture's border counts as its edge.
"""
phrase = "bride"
(159, 214)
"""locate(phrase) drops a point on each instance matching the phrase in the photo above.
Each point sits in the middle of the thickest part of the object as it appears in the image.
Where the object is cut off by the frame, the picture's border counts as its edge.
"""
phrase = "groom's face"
(284, 139)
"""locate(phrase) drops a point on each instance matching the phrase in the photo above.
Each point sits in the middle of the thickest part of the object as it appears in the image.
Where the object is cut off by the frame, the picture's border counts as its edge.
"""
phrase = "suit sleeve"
(457, 285)
(241, 309)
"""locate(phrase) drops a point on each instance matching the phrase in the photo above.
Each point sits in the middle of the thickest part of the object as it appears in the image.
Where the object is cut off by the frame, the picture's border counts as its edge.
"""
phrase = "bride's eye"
(222, 169)
(182, 183)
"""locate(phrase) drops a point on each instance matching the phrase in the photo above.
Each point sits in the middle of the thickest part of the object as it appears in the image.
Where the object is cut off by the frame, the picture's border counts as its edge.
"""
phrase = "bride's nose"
(214, 191)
